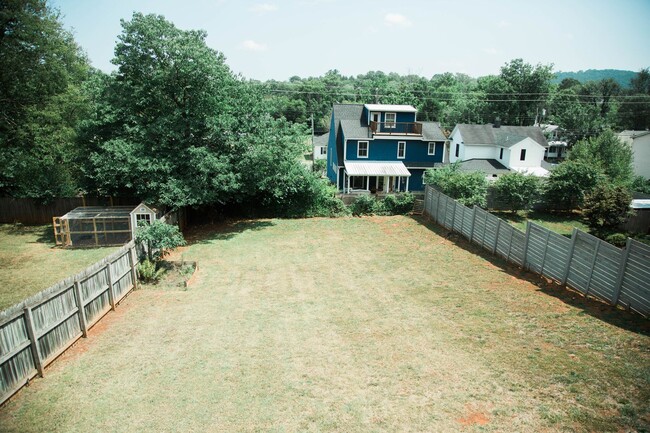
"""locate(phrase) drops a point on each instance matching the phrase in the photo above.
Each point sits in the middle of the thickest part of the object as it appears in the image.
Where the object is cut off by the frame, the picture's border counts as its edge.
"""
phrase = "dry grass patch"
(29, 261)
(355, 325)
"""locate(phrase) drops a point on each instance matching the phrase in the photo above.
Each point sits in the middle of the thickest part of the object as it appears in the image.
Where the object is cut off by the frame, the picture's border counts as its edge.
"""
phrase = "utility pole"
(313, 146)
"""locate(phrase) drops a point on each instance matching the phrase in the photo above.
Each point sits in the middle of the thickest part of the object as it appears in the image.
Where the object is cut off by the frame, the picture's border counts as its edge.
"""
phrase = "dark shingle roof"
(487, 166)
(344, 112)
(505, 136)
(353, 129)
(431, 131)
(321, 140)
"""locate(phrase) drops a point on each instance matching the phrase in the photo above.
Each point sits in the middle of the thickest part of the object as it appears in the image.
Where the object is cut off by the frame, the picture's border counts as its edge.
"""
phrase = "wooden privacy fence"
(36, 331)
(583, 262)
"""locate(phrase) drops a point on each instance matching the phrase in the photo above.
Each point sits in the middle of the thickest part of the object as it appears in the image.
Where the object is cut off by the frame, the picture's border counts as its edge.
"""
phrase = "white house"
(640, 143)
(504, 148)
(319, 143)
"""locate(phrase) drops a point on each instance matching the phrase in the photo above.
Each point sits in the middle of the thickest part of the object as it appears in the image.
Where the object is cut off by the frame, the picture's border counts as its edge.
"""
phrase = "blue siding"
(386, 150)
(332, 156)
(405, 117)
(415, 181)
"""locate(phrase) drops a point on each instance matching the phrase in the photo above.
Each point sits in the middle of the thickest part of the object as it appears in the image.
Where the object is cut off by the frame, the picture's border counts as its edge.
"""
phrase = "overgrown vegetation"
(156, 240)
(517, 191)
(400, 204)
(606, 207)
(469, 188)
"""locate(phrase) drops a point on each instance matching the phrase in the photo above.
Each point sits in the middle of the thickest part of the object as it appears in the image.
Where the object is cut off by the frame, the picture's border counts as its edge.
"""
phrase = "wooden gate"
(61, 231)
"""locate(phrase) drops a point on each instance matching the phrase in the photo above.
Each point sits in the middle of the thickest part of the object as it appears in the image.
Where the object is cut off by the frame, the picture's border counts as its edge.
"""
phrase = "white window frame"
(431, 144)
(323, 150)
(522, 155)
(359, 149)
(392, 124)
(404, 153)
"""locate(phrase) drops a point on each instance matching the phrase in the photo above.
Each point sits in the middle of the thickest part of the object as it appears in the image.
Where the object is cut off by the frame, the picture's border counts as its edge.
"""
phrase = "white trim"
(386, 122)
(345, 150)
(429, 147)
(367, 149)
(370, 113)
(404, 155)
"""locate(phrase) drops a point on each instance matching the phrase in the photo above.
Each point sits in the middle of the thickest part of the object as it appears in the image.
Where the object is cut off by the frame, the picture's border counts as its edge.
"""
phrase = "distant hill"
(621, 77)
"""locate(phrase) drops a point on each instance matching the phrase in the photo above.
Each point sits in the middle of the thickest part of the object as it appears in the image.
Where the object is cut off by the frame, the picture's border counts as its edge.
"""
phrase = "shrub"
(617, 239)
(364, 205)
(606, 207)
(396, 204)
(159, 237)
(325, 202)
(517, 191)
(149, 271)
(569, 183)
(469, 188)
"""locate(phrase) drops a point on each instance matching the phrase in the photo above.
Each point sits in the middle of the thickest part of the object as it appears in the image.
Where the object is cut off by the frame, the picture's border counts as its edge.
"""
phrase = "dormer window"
(390, 119)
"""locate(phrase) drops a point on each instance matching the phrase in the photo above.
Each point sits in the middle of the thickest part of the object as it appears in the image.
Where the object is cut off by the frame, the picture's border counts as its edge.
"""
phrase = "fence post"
(81, 310)
(132, 263)
(496, 236)
(111, 294)
(593, 264)
(471, 228)
(574, 238)
(36, 352)
(525, 262)
(621, 271)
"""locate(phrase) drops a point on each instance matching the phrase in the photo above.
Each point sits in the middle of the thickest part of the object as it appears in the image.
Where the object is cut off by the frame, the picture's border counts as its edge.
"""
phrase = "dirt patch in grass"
(351, 324)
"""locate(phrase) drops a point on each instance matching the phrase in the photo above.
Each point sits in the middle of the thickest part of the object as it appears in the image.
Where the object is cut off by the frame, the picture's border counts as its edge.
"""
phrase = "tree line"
(174, 126)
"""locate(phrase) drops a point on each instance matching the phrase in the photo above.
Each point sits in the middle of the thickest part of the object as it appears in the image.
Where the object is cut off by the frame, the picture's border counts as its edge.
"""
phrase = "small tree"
(606, 207)
(469, 188)
(568, 184)
(517, 191)
(158, 238)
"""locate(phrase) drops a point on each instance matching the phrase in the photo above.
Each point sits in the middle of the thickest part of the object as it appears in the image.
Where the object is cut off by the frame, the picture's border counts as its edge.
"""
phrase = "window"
(457, 149)
(501, 153)
(432, 149)
(323, 150)
(362, 149)
(390, 119)
(401, 149)
(522, 156)
(142, 219)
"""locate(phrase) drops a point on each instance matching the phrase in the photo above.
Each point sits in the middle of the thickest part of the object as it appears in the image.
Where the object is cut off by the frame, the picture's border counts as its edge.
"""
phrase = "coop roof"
(89, 212)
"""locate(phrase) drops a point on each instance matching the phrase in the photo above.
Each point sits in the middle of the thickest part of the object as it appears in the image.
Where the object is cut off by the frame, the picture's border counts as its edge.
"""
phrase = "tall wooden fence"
(583, 262)
(36, 331)
(31, 211)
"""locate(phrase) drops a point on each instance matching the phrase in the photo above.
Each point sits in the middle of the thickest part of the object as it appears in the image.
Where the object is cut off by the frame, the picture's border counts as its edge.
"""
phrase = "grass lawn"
(562, 223)
(29, 261)
(348, 325)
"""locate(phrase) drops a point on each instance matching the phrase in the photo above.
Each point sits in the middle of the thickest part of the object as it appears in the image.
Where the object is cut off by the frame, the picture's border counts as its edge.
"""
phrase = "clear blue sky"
(276, 39)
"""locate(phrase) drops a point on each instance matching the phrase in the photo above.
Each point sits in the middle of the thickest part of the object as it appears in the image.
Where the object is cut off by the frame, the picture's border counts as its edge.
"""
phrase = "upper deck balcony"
(396, 128)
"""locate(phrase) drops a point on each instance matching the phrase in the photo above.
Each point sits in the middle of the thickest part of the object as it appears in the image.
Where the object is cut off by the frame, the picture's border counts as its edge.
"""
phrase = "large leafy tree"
(163, 120)
(469, 188)
(41, 71)
(607, 153)
(517, 191)
(570, 182)
(519, 92)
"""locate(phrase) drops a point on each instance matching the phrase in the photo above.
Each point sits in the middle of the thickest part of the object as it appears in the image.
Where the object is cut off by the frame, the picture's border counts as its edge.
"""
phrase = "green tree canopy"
(41, 71)
(608, 154)
(517, 191)
(469, 188)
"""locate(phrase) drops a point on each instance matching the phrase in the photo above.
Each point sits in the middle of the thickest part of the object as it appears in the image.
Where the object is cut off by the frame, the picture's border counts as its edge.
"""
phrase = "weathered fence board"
(583, 262)
(36, 331)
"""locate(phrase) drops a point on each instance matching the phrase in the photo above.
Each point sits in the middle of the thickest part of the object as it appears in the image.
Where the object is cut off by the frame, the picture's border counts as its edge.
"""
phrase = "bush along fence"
(36, 331)
(582, 262)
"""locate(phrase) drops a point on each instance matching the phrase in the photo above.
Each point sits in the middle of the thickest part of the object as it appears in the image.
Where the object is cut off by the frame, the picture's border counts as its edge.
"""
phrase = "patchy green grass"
(352, 324)
(562, 223)
(29, 261)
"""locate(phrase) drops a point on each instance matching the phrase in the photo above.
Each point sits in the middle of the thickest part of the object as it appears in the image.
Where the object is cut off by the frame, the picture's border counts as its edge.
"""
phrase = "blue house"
(378, 147)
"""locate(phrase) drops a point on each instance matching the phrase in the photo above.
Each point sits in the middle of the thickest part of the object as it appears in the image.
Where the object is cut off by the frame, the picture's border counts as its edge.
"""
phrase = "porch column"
(407, 184)
(368, 183)
(386, 186)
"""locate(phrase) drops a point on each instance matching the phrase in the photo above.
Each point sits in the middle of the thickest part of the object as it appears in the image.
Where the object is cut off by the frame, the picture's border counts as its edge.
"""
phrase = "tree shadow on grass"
(44, 233)
(206, 233)
(594, 307)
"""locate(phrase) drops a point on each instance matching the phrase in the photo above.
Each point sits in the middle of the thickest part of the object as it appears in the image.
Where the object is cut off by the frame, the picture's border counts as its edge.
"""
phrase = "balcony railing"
(396, 128)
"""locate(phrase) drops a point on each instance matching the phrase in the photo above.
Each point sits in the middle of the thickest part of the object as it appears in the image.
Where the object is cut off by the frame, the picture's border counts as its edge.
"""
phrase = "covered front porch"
(375, 177)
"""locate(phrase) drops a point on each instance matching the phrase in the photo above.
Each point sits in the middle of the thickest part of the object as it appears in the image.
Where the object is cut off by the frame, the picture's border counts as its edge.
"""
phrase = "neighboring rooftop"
(505, 136)
(487, 166)
(391, 107)
(321, 140)
(633, 134)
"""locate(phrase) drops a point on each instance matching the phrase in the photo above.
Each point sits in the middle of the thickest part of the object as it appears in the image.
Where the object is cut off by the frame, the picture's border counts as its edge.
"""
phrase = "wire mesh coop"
(96, 226)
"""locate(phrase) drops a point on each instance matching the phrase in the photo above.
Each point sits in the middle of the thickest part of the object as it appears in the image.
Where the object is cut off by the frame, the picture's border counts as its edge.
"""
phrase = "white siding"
(474, 151)
(534, 154)
(641, 149)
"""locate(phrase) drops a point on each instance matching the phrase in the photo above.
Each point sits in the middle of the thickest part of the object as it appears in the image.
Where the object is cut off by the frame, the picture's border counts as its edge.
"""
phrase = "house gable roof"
(344, 112)
(321, 140)
(504, 136)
